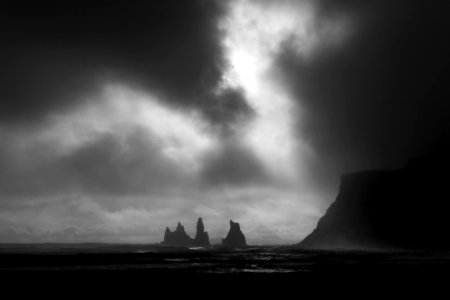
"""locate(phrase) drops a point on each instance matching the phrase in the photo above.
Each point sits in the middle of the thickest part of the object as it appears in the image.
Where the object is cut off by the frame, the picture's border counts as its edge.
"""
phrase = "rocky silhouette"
(177, 238)
(201, 237)
(404, 209)
(235, 238)
(180, 238)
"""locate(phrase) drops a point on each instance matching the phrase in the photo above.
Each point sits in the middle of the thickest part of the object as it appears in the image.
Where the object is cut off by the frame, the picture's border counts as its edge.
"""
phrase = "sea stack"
(235, 238)
(201, 237)
(177, 238)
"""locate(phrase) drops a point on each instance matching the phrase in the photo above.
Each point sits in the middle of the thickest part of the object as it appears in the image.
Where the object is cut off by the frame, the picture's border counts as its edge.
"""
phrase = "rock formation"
(180, 238)
(201, 237)
(235, 238)
(177, 238)
(401, 209)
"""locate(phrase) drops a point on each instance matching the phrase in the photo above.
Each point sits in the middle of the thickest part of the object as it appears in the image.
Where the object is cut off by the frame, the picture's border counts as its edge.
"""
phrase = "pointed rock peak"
(200, 226)
(201, 237)
(180, 227)
(234, 225)
(235, 238)
(179, 237)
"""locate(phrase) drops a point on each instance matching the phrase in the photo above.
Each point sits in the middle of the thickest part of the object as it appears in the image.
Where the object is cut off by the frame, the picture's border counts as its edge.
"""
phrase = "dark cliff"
(235, 238)
(402, 209)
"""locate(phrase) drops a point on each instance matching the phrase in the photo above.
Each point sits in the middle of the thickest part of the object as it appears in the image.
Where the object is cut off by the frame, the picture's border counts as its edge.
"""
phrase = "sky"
(118, 119)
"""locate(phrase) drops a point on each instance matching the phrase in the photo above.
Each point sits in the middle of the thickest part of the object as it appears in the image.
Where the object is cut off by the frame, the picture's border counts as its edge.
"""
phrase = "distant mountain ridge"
(406, 209)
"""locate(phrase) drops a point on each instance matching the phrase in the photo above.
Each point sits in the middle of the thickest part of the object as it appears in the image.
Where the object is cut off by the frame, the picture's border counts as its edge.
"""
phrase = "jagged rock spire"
(200, 226)
(235, 238)
(180, 228)
(201, 237)
(178, 237)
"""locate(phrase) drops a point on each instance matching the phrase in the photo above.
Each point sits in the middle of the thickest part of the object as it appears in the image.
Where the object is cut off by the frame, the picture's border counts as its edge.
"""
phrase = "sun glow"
(254, 35)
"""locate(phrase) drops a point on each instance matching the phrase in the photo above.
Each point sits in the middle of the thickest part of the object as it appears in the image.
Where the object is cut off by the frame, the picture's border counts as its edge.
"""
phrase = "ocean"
(258, 269)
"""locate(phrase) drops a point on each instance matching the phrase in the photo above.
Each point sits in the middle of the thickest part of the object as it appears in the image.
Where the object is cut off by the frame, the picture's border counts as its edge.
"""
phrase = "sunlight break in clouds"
(254, 33)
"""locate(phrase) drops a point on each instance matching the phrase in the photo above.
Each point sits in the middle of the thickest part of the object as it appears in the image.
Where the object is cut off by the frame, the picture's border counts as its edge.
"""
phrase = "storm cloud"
(381, 97)
(53, 52)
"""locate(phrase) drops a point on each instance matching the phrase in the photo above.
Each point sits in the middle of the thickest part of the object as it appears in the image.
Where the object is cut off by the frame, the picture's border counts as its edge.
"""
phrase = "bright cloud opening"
(254, 33)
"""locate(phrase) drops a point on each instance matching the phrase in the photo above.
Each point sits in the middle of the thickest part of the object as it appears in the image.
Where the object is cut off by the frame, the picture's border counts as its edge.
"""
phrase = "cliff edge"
(401, 209)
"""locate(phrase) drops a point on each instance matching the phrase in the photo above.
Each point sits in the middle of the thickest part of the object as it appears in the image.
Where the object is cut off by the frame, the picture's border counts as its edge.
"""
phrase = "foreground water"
(253, 260)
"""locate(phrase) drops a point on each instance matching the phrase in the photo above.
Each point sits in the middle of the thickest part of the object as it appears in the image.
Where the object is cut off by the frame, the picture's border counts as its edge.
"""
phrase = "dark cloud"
(227, 110)
(381, 96)
(53, 52)
(233, 165)
(109, 165)
(134, 165)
